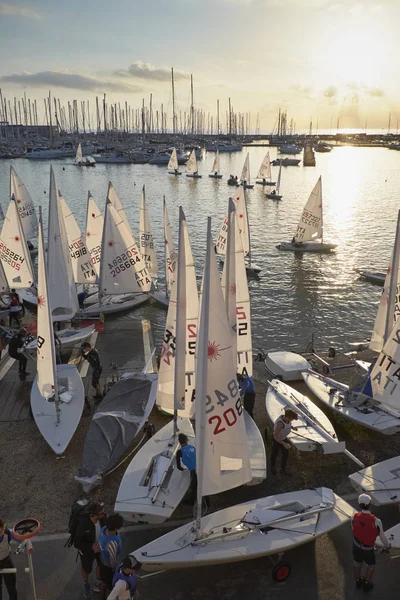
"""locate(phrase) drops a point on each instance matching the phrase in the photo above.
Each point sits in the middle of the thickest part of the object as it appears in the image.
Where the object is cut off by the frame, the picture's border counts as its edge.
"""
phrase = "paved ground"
(321, 570)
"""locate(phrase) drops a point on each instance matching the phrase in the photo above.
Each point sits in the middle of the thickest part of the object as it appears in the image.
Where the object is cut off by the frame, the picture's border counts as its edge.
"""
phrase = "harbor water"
(296, 296)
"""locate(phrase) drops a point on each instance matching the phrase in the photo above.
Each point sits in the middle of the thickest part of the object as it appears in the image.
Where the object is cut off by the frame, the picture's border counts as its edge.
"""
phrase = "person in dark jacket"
(85, 540)
(93, 358)
(15, 350)
(246, 385)
(125, 580)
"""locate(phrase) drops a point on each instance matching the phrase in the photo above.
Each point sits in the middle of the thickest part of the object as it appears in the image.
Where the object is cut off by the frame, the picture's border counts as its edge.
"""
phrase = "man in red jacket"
(366, 528)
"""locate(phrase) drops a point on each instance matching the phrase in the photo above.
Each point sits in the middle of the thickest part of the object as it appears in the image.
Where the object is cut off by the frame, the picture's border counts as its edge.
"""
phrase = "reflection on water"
(296, 295)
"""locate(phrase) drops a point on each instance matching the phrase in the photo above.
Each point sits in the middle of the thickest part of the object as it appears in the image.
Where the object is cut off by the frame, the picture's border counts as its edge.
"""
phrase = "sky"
(319, 60)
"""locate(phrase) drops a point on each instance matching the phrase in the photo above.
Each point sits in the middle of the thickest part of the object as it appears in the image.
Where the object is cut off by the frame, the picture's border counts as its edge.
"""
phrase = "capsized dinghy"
(115, 424)
(246, 531)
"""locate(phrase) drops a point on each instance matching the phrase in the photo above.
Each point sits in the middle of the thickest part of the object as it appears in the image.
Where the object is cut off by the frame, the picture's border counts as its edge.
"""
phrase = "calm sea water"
(295, 296)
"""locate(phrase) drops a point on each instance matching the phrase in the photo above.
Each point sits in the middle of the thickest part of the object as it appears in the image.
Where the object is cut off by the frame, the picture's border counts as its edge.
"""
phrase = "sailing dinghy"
(170, 258)
(215, 174)
(275, 195)
(255, 528)
(69, 337)
(244, 229)
(191, 166)
(314, 432)
(245, 176)
(26, 209)
(124, 280)
(377, 404)
(89, 161)
(152, 486)
(309, 233)
(173, 167)
(57, 395)
(381, 481)
(264, 172)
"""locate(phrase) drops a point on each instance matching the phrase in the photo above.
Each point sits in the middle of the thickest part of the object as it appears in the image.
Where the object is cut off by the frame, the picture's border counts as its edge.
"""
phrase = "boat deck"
(121, 350)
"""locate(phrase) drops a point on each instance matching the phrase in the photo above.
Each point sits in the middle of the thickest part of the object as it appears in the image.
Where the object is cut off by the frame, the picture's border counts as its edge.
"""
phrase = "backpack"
(78, 510)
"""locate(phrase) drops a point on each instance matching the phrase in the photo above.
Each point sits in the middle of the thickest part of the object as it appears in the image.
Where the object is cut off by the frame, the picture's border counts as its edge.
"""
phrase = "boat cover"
(116, 422)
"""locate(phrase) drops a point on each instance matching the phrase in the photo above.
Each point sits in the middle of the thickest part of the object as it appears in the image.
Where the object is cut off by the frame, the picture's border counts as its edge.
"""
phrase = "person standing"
(93, 358)
(125, 581)
(86, 544)
(280, 444)
(246, 385)
(16, 350)
(15, 309)
(58, 348)
(6, 537)
(110, 550)
(187, 455)
(366, 528)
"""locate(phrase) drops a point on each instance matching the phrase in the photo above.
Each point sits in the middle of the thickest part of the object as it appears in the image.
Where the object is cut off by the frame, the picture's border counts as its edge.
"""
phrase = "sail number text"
(230, 415)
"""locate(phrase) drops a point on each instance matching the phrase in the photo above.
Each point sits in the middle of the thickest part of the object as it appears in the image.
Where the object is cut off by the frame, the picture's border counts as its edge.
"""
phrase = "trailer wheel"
(281, 571)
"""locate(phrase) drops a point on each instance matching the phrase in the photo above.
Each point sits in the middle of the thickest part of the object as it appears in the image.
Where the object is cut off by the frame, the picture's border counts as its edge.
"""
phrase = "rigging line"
(165, 553)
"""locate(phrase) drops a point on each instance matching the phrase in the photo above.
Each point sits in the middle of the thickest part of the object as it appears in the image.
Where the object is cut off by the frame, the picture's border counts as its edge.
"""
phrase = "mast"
(173, 102)
(230, 117)
(191, 105)
(179, 333)
(201, 375)
(105, 120)
(165, 252)
(218, 120)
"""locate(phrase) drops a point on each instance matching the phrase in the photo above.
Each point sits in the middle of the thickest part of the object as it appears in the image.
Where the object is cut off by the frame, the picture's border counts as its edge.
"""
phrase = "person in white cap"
(366, 528)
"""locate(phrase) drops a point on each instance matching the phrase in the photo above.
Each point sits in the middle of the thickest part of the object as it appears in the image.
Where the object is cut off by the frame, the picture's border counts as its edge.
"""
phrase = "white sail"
(191, 165)
(122, 269)
(82, 267)
(170, 253)
(278, 181)
(228, 279)
(79, 157)
(14, 252)
(245, 176)
(173, 161)
(117, 204)
(243, 222)
(384, 381)
(26, 208)
(62, 290)
(310, 225)
(4, 287)
(46, 360)
(94, 232)
(239, 293)
(387, 301)
(264, 171)
(216, 167)
(146, 238)
(221, 444)
(185, 312)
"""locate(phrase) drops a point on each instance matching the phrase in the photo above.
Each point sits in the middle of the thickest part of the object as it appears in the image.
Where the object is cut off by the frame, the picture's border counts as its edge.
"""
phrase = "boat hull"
(307, 247)
(194, 176)
(176, 549)
(215, 176)
(381, 481)
(274, 196)
(332, 394)
(287, 366)
(251, 268)
(58, 436)
(375, 278)
(161, 298)
(116, 304)
(69, 337)
(280, 396)
(136, 501)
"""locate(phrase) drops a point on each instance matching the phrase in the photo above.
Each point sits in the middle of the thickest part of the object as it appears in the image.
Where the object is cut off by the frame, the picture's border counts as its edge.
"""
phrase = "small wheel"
(26, 528)
(281, 571)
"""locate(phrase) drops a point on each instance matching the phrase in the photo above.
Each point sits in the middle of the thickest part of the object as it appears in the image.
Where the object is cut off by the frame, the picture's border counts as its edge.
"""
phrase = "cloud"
(67, 80)
(301, 90)
(376, 92)
(142, 70)
(18, 11)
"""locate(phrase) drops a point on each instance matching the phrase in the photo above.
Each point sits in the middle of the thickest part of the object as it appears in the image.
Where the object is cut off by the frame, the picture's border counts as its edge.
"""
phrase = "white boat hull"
(257, 454)
(194, 175)
(28, 296)
(287, 366)
(381, 481)
(227, 539)
(308, 437)
(306, 247)
(69, 337)
(373, 415)
(372, 277)
(136, 500)
(115, 304)
(250, 267)
(58, 436)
